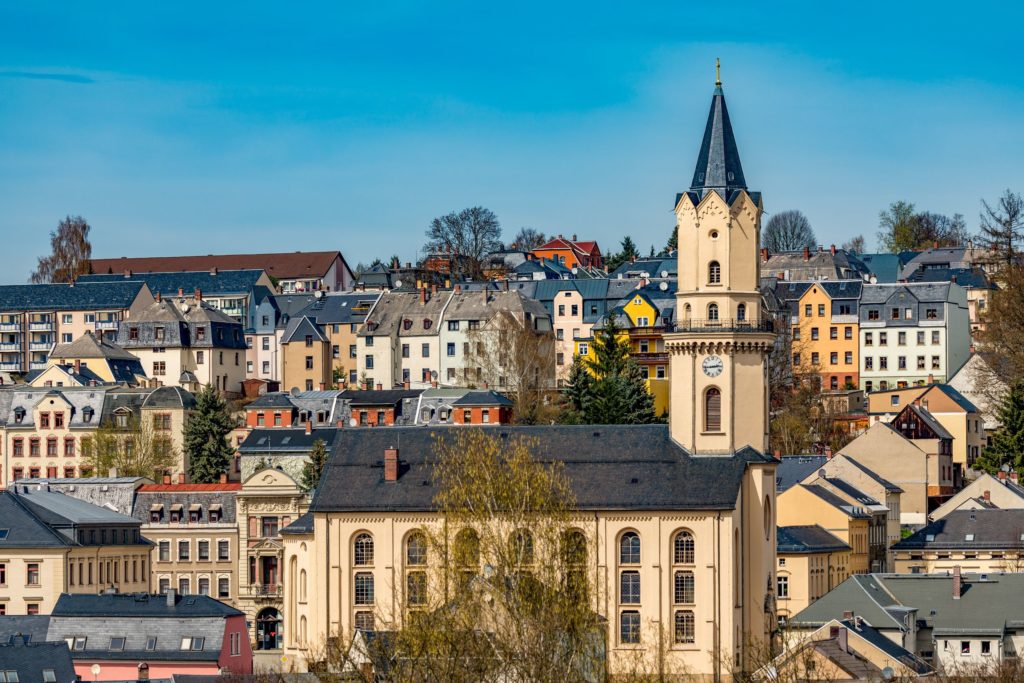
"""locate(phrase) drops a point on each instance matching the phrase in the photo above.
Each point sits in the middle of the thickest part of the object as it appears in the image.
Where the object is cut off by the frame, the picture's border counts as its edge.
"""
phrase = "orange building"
(482, 408)
(570, 253)
(824, 330)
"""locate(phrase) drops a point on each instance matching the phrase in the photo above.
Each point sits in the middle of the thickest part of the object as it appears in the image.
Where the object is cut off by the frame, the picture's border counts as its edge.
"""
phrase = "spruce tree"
(312, 470)
(576, 394)
(610, 349)
(638, 400)
(1007, 447)
(206, 437)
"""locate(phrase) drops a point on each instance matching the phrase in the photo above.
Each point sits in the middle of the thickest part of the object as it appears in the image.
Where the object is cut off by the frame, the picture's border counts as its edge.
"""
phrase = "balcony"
(35, 365)
(40, 326)
(270, 590)
(10, 327)
(10, 367)
(724, 325)
(650, 356)
(40, 346)
(106, 324)
(10, 346)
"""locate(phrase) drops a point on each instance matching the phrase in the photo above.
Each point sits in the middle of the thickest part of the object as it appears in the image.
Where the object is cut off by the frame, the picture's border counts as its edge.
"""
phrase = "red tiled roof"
(179, 488)
(287, 265)
(581, 248)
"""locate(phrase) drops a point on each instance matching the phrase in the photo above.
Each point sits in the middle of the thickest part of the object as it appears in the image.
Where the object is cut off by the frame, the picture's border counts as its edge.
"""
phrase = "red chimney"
(833, 250)
(223, 477)
(987, 495)
(323, 386)
(423, 295)
(764, 254)
(309, 426)
(379, 386)
(158, 297)
(957, 583)
(935, 244)
(458, 289)
(1001, 475)
(391, 464)
(406, 384)
(167, 479)
(931, 378)
(807, 253)
(181, 477)
(778, 455)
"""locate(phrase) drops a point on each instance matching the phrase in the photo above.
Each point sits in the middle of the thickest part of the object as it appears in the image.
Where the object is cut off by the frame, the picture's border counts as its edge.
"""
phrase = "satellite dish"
(318, 294)
(664, 273)
(95, 669)
(645, 274)
(184, 308)
(398, 283)
(352, 422)
(663, 286)
(433, 374)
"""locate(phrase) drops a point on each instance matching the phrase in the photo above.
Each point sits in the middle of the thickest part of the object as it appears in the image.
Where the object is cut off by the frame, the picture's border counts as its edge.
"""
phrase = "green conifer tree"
(639, 401)
(312, 470)
(576, 394)
(610, 350)
(206, 437)
(1007, 447)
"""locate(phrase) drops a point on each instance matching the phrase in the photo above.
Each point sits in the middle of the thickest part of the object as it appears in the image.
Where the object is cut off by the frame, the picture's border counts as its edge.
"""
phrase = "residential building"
(299, 271)
(952, 622)
(980, 385)
(33, 318)
(912, 333)
(89, 360)
(657, 268)
(924, 475)
(824, 331)
(951, 409)
(944, 260)
(811, 562)
(127, 637)
(845, 650)
(976, 283)
(808, 264)
(339, 317)
(482, 408)
(305, 355)
(28, 660)
(804, 504)
(1002, 492)
(702, 486)
(983, 540)
(571, 253)
(52, 544)
(378, 408)
(184, 342)
(380, 350)
(885, 267)
(194, 532)
(234, 293)
(917, 424)
(878, 522)
(46, 431)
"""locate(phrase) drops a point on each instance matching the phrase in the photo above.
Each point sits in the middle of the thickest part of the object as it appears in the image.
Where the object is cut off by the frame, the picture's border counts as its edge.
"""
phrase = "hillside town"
(746, 456)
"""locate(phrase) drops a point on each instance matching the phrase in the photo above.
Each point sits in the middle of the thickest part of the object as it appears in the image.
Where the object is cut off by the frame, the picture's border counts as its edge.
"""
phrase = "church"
(683, 513)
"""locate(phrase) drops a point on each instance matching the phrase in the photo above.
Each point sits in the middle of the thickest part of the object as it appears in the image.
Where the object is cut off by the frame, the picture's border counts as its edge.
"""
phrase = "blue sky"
(186, 128)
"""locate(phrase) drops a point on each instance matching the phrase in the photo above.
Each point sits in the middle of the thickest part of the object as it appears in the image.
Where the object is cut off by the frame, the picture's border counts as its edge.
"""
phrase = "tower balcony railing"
(724, 325)
(266, 590)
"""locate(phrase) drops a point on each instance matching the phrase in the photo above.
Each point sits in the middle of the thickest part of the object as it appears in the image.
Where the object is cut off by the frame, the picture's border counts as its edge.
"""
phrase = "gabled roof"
(90, 346)
(871, 474)
(287, 265)
(29, 660)
(835, 501)
(924, 292)
(58, 508)
(343, 309)
(927, 419)
(60, 297)
(793, 469)
(274, 399)
(210, 282)
(483, 398)
(133, 605)
(807, 539)
(718, 162)
(24, 528)
(969, 530)
(374, 397)
(285, 440)
(300, 328)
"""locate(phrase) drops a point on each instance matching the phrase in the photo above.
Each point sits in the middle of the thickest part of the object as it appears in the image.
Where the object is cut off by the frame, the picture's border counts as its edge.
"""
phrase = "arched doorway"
(268, 629)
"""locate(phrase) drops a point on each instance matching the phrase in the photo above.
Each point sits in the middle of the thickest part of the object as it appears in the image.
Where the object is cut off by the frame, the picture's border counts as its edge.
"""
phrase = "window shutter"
(713, 410)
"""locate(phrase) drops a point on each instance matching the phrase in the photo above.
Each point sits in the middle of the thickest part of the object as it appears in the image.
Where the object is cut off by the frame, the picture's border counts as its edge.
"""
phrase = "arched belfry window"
(713, 312)
(714, 273)
(741, 312)
(713, 410)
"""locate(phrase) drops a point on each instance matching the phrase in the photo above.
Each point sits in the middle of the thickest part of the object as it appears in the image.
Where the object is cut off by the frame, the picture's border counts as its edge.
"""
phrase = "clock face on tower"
(712, 366)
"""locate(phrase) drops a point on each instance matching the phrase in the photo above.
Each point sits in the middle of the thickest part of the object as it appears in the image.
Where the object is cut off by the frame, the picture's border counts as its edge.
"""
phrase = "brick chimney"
(1013, 476)
(127, 274)
(198, 294)
(379, 386)
(181, 477)
(213, 271)
(309, 426)
(391, 464)
(764, 254)
(340, 423)
(159, 298)
(458, 288)
(987, 495)
(957, 583)
(1001, 475)
(78, 367)
(778, 455)
(433, 384)
(406, 384)
(181, 292)
(223, 477)
(423, 296)
(323, 386)
(833, 249)
(807, 253)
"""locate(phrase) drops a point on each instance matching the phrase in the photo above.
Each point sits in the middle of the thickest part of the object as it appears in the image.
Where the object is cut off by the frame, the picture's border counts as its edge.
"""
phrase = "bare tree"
(528, 239)
(1004, 326)
(787, 231)
(70, 253)
(1002, 226)
(515, 357)
(470, 234)
(900, 228)
(855, 244)
(136, 449)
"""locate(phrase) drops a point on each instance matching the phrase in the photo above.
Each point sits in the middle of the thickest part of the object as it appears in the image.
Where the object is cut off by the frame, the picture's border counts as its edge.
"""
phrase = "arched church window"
(714, 273)
(713, 312)
(713, 410)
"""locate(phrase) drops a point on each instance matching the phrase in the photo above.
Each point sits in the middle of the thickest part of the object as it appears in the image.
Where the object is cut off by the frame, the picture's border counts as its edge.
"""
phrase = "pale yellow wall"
(295, 374)
(800, 507)
(1000, 496)
(810, 575)
(194, 569)
(898, 460)
(944, 561)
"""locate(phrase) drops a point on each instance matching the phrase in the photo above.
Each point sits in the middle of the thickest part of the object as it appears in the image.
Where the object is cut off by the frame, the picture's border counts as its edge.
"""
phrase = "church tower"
(718, 352)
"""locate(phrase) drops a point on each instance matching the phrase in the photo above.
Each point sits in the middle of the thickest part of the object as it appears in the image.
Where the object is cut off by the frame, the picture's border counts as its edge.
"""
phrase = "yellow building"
(306, 356)
(643, 319)
(823, 330)
(811, 562)
(806, 504)
(984, 541)
(690, 531)
(52, 544)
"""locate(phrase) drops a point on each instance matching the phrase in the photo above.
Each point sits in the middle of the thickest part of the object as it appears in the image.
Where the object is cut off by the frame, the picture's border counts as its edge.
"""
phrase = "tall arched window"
(629, 588)
(522, 547)
(713, 312)
(629, 548)
(687, 312)
(713, 410)
(467, 548)
(741, 312)
(363, 550)
(683, 548)
(416, 550)
(302, 585)
(714, 273)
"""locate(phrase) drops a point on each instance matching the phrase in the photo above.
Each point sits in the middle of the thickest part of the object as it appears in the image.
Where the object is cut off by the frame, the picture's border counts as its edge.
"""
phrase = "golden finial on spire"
(718, 72)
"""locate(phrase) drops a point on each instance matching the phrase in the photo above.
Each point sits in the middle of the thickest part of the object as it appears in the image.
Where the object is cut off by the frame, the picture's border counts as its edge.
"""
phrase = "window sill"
(720, 433)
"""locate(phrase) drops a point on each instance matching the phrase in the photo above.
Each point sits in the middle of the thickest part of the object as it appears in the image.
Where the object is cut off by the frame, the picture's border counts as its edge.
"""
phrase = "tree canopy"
(528, 239)
(1002, 226)
(206, 437)
(472, 234)
(1007, 445)
(901, 228)
(314, 467)
(70, 253)
(787, 231)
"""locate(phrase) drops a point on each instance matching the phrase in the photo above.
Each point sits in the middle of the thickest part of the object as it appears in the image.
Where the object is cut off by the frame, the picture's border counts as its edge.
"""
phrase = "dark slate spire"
(718, 165)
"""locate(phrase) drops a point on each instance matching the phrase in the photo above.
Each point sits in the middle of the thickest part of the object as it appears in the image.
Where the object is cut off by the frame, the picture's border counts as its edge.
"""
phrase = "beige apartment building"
(88, 361)
(1002, 492)
(811, 562)
(985, 541)
(194, 533)
(804, 504)
(305, 356)
(33, 318)
(55, 544)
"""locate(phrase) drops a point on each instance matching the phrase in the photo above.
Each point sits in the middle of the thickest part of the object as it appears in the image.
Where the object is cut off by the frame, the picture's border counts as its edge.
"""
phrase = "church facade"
(682, 514)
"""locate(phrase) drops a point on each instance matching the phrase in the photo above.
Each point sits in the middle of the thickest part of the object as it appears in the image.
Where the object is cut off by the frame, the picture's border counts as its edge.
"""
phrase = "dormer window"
(19, 415)
(133, 333)
(158, 333)
(200, 333)
(406, 324)
(87, 413)
(427, 322)
(195, 513)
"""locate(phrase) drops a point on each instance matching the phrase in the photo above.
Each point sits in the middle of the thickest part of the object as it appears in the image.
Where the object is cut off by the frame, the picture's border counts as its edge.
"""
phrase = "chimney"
(833, 249)
(1013, 476)
(820, 248)
(458, 288)
(223, 477)
(181, 292)
(953, 278)
(309, 426)
(506, 285)
(842, 640)
(574, 237)
(112, 473)
(433, 290)
(213, 271)
(957, 583)
(340, 423)
(127, 274)
(483, 291)
(1001, 475)
(931, 378)
(847, 615)
(807, 253)
(935, 244)
(78, 367)
(406, 384)
(828, 452)
(181, 477)
(170, 597)
(764, 254)
(198, 294)
(433, 384)
(987, 495)
(778, 455)
(379, 386)
(423, 296)
(167, 479)
(391, 464)
(159, 298)
(917, 402)
(486, 386)
(323, 386)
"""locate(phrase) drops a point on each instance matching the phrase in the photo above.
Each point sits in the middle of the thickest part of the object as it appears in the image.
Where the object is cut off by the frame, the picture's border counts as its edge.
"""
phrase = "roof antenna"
(718, 72)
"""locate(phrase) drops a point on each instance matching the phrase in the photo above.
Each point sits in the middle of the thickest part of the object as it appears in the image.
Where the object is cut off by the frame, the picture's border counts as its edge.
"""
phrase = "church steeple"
(718, 164)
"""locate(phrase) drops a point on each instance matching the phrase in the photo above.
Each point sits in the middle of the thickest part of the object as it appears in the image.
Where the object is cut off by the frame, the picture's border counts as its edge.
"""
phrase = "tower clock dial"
(712, 366)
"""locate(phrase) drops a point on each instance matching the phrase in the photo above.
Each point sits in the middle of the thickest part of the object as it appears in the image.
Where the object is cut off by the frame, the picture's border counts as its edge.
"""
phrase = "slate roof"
(287, 265)
(925, 292)
(179, 322)
(836, 502)
(483, 398)
(24, 527)
(373, 397)
(718, 162)
(989, 606)
(610, 467)
(132, 605)
(90, 346)
(15, 400)
(274, 399)
(62, 297)
(985, 529)
(971, 278)
(817, 265)
(656, 267)
(807, 539)
(302, 525)
(885, 267)
(220, 283)
(186, 495)
(284, 440)
(34, 626)
(31, 659)
(344, 309)
(58, 509)
(170, 397)
(793, 469)
(299, 328)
